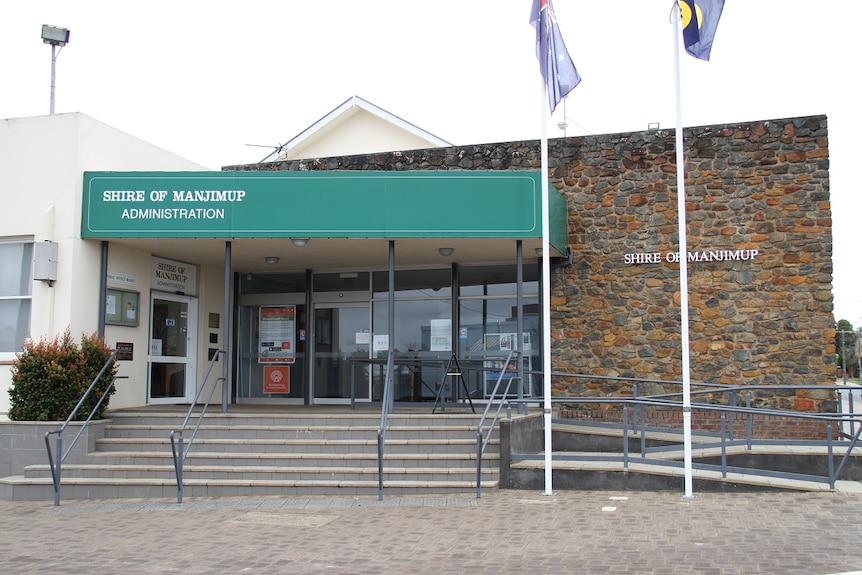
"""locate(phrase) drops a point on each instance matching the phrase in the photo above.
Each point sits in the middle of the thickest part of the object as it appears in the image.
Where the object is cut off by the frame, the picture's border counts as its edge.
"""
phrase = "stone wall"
(760, 253)
(759, 243)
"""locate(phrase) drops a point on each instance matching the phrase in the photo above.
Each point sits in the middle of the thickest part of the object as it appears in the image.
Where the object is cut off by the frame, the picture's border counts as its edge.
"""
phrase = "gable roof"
(356, 117)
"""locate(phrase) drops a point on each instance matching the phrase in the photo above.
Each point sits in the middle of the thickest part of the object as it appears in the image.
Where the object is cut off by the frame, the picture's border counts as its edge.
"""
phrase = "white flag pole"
(546, 300)
(683, 257)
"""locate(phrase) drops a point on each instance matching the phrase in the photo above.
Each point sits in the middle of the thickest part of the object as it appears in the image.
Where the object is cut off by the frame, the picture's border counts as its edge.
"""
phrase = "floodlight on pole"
(54, 36)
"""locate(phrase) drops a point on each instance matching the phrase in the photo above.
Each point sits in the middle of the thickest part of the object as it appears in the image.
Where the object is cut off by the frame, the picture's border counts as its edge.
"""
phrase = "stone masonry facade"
(759, 233)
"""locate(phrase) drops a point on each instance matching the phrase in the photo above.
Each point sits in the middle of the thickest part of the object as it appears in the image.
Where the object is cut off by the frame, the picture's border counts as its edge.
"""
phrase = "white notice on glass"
(441, 335)
(381, 342)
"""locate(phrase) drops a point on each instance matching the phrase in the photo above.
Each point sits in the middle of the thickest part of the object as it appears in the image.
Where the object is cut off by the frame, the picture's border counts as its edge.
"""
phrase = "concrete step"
(294, 418)
(295, 431)
(270, 454)
(19, 488)
(294, 445)
(262, 472)
(410, 459)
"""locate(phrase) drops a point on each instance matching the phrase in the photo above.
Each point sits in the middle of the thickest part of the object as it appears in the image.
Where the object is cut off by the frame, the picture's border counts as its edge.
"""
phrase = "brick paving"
(507, 531)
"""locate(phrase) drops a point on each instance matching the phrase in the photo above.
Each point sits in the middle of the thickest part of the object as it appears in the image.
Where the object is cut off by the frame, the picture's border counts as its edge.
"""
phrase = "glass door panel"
(341, 335)
(172, 324)
(251, 370)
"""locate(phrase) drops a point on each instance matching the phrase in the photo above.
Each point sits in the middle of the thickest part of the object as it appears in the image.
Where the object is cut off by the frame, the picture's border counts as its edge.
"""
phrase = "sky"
(224, 83)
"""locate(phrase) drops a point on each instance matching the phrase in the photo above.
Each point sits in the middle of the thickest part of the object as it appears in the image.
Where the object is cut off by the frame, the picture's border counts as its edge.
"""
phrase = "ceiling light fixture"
(300, 242)
(446, 251)
(271, 260)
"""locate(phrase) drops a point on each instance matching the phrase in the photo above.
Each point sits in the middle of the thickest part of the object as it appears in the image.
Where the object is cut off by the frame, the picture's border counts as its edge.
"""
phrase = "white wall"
(41, 186)
(211, 301)
(362, 133)
(131, 263)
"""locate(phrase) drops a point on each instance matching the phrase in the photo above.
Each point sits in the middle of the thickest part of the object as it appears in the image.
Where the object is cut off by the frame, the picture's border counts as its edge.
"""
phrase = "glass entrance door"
(342, 335)
(172, 348)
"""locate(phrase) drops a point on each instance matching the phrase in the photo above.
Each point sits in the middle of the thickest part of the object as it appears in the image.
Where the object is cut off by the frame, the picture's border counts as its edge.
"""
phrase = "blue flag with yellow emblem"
(699, 23)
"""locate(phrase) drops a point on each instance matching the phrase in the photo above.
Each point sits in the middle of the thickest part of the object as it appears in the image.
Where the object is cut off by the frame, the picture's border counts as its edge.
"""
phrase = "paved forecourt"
(503, 532)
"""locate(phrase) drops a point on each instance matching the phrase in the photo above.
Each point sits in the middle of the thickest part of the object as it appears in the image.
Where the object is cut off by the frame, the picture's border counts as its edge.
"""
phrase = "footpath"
(505, 532)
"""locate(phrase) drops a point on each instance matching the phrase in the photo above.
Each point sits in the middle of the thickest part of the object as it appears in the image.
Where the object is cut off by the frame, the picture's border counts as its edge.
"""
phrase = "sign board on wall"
(173, 276)
(125, 351)
(122, 279)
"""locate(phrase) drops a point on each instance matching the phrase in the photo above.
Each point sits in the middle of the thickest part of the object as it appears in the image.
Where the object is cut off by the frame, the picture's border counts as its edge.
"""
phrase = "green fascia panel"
(481, 204)
(558, 220)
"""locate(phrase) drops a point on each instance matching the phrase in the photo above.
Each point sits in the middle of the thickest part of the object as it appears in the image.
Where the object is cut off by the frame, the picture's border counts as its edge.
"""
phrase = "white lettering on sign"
(696, 256)
(209, 195)
(171, 272)
(123, 196)
(158, 196)
(173, 214)
(172, 275)
(653, 258)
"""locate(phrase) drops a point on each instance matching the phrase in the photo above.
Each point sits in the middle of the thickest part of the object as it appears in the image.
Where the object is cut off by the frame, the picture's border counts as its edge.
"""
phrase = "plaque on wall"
(125, 351)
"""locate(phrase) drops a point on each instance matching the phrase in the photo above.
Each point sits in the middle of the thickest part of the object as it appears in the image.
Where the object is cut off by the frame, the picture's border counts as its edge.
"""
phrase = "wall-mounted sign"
(122, 279)
(125, 351)
(173, 276)
(277, 334)
(701, 256)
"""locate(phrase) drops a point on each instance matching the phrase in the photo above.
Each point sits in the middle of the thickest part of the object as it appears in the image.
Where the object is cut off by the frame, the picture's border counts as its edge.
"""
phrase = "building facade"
(285, 266)
(759, 253)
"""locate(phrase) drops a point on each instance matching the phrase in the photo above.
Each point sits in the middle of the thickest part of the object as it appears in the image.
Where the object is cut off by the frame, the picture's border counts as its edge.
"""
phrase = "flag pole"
(683, 257)
(546, 300)
(559, 77)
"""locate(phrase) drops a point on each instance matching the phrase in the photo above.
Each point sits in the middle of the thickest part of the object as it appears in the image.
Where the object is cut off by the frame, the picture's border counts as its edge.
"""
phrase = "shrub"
(49, 378)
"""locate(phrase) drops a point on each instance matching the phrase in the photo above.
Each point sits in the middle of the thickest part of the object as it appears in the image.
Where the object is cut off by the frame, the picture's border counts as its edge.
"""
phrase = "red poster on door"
(276, 379)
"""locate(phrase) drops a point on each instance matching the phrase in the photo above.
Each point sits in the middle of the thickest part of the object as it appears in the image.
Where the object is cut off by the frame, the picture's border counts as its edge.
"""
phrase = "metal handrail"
(56, 464)
(179, 455)
(725, 438)
(481, 439)
(388, 403)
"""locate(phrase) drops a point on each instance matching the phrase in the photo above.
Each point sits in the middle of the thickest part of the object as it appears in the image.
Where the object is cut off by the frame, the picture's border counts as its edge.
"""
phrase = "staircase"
(298, 452)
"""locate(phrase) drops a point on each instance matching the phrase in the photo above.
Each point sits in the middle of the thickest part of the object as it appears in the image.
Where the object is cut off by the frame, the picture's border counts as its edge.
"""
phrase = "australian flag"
(556, 65)
(699, 23)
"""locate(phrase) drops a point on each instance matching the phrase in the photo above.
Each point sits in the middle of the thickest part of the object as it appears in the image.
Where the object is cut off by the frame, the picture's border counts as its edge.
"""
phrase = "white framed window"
(16, 294)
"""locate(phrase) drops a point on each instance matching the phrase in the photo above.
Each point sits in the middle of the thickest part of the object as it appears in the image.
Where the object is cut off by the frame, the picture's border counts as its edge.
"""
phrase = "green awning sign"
(483, 204)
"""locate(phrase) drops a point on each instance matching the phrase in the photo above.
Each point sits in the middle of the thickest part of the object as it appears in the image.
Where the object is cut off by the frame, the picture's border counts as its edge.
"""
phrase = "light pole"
(55, 37)
(858, 359)
(843, 355)
(843, 358)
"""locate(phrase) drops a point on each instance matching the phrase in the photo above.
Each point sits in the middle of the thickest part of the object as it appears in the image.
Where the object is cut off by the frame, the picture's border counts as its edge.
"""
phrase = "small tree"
(50, 377)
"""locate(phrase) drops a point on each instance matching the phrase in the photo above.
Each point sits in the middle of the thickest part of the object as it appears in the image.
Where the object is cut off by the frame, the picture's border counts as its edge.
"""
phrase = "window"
(488, 310)
(16, 288)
